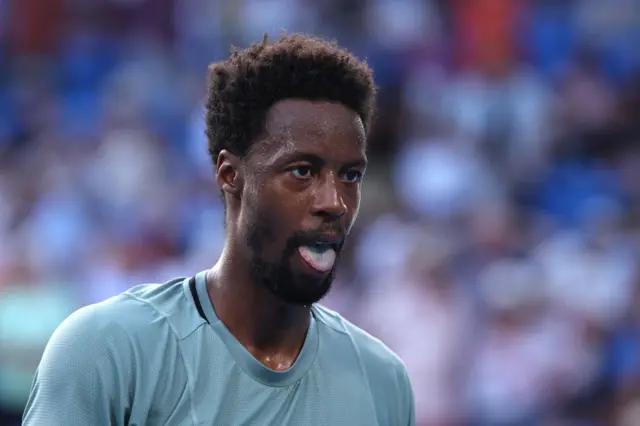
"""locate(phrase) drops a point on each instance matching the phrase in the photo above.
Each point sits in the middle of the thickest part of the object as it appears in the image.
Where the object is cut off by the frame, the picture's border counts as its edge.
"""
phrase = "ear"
(229, 174)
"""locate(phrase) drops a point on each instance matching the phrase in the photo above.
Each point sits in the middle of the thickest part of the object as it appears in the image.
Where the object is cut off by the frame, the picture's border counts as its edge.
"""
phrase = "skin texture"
(299, 182)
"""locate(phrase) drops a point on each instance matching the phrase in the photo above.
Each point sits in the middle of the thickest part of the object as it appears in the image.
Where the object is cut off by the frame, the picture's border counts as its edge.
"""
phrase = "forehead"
(322, 128)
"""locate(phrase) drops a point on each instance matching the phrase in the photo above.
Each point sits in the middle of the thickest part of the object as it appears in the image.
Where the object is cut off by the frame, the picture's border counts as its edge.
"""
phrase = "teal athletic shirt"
(158, 355)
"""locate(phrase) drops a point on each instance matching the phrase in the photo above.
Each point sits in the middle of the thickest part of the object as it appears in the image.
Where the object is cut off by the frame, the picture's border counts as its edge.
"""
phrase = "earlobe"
(228, 173)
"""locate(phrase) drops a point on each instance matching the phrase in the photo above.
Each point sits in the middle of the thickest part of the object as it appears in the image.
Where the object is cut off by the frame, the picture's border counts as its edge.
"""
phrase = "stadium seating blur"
(498, 240)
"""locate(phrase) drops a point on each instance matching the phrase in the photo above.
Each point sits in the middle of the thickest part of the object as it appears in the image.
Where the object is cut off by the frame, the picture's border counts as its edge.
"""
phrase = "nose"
(328, 200)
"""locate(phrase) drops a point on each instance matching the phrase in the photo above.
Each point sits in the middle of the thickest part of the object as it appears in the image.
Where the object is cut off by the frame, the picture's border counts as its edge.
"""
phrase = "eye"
(352, 176)
(301, 172)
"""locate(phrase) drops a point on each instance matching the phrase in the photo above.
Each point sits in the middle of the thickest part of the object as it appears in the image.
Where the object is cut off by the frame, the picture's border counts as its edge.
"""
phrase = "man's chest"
(316, 399)
(229, 397)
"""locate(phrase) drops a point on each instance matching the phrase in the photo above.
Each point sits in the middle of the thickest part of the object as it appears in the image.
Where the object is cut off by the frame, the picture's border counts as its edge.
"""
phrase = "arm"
(82, 376)
(406, 407)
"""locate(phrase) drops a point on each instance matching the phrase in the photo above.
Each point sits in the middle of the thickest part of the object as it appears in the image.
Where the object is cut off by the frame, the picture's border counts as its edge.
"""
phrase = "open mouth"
(320, 255)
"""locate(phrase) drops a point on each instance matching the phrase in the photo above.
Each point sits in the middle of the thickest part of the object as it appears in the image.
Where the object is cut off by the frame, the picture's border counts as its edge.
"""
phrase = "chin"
(305, 291)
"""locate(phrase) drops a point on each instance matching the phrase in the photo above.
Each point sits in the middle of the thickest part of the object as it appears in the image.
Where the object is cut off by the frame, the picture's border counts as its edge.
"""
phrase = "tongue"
(321, 261)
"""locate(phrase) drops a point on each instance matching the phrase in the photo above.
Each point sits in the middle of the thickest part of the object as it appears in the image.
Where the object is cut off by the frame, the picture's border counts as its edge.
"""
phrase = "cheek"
(289, 204)
(351, 220)
(281, 218)
(275, 218)
(354, 208)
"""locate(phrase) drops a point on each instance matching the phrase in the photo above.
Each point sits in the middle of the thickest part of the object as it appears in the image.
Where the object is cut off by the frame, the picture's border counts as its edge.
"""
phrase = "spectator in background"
(425, 316)
(507, 133)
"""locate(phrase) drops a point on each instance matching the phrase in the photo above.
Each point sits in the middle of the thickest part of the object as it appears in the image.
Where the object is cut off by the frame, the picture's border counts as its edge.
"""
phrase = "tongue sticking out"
(319, 258)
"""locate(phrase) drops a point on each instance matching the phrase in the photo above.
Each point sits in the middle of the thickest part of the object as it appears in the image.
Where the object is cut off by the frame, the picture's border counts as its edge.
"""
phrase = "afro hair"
(243, 87)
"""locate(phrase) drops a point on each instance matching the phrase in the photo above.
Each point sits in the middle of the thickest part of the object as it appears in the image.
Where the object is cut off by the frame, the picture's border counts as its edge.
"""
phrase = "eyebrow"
(318, 161)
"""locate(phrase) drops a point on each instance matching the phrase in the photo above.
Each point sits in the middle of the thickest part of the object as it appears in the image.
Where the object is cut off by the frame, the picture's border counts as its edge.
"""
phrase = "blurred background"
(497, 249)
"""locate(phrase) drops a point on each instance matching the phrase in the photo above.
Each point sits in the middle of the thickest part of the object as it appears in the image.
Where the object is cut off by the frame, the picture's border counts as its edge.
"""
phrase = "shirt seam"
(164, 316)
(363, 370)
(322, 311)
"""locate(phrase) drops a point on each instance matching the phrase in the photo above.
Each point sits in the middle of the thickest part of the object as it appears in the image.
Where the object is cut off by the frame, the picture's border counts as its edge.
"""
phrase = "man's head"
(287, 125)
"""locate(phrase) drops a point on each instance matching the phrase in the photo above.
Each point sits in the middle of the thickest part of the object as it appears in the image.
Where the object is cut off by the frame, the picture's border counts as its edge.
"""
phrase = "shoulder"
(383, 366)
(386, 373)
(125, 313)
(108, 327)
(103, 360)
(139, 319)
(142, 309)
(373, 352)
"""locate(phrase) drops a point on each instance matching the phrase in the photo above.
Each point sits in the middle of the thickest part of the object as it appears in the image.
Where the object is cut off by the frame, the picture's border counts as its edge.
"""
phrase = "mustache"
(337, 234)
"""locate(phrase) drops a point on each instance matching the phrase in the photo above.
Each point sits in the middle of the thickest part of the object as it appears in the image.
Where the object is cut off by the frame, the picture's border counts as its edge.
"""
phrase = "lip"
(333, 240)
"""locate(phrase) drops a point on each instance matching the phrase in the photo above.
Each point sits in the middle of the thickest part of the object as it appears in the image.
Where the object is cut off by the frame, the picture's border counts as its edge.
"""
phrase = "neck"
(271, 330)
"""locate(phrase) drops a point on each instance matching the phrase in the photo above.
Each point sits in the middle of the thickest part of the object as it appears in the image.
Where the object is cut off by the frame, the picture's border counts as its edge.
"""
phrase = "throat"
(272, 331)
(279, 337)
(276, 360)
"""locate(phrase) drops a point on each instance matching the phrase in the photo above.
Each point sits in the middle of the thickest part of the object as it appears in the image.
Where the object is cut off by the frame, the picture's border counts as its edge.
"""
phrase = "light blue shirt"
(157, 354)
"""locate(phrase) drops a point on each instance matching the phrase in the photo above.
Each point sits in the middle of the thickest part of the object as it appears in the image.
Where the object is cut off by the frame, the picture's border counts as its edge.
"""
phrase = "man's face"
(301, 196)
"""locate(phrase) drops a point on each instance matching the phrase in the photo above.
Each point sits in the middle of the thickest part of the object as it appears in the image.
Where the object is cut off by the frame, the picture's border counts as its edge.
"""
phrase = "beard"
(278, 276)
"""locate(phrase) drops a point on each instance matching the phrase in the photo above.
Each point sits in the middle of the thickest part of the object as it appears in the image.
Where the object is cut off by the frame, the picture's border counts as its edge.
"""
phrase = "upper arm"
(406, 403)
(84, 374)
(389, 383)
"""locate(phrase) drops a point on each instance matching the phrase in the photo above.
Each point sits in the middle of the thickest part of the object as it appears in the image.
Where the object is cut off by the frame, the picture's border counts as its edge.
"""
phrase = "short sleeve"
(85, 374)
(406, 405)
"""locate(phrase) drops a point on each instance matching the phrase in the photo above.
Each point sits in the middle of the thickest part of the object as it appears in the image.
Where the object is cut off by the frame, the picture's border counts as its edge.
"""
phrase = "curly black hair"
(243, 87)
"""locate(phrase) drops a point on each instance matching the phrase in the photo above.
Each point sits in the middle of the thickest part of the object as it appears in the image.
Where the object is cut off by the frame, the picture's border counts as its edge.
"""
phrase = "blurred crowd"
(498, 244)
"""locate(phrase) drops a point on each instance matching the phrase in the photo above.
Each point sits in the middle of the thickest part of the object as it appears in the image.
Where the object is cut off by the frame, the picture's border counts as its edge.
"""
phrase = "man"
(245, 343)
